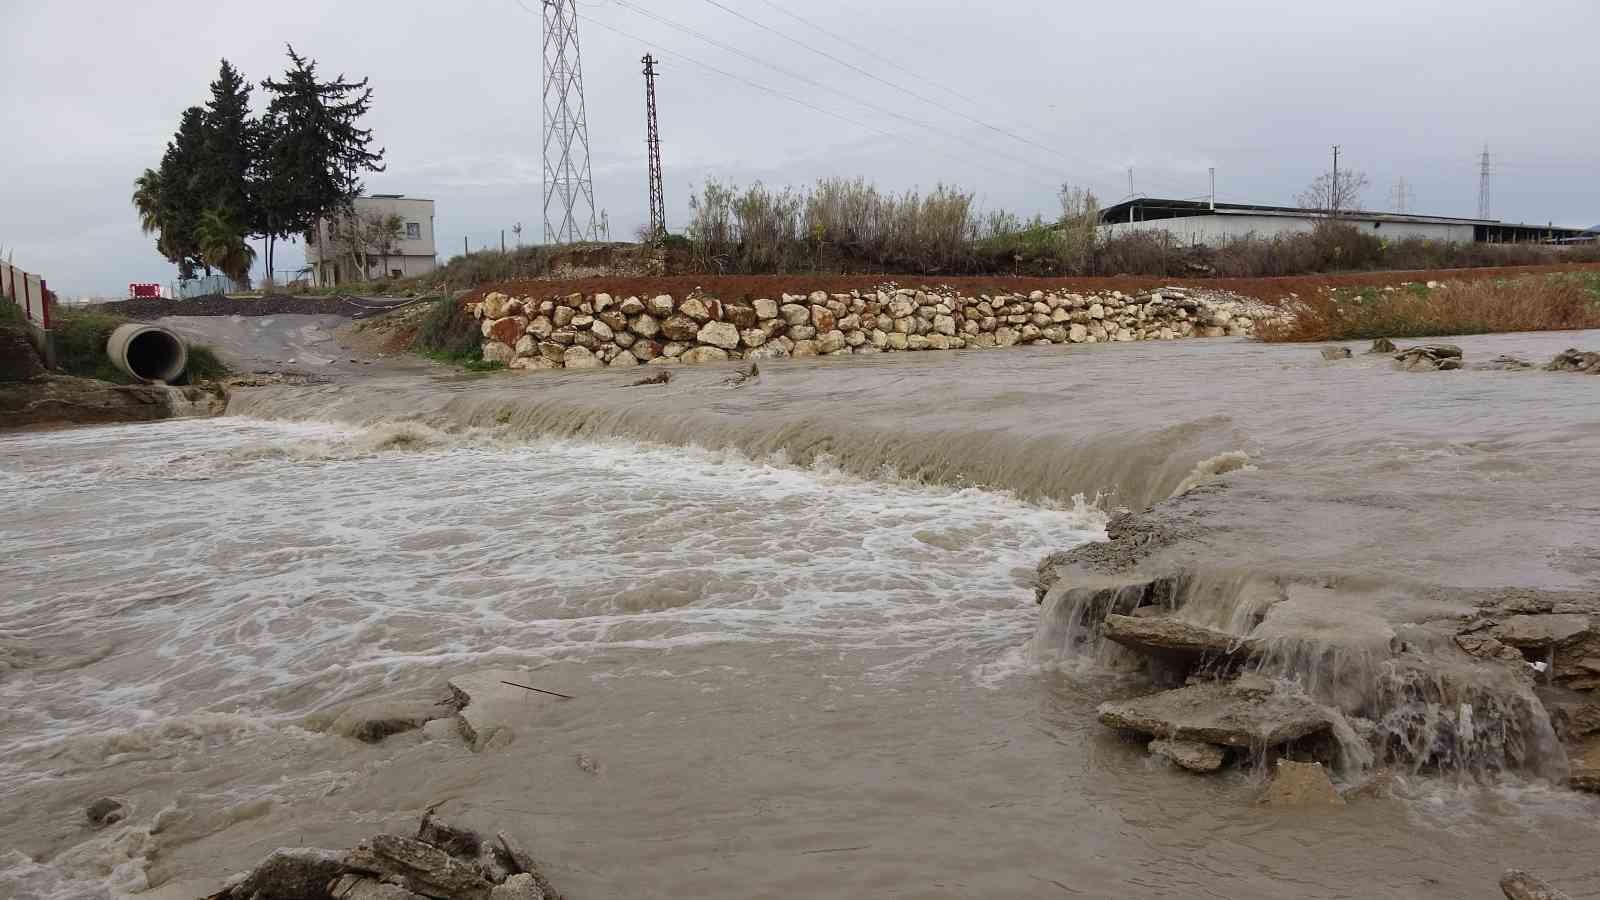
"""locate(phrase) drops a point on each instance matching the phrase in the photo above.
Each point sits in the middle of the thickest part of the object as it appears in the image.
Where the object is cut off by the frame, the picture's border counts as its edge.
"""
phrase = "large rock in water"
(1429, 357)
(1575, 361)
(1249, 713)
(290, 873)
(1519, 885)
(372, 722)
(1300, 784)
(419, 867)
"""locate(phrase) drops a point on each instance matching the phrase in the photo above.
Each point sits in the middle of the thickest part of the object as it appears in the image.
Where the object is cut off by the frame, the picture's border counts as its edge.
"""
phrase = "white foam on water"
(200, 578)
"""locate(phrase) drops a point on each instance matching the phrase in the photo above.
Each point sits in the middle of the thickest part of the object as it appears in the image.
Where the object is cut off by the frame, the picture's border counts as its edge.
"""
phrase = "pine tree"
(182, 200)
(224, 181)
(314, 151)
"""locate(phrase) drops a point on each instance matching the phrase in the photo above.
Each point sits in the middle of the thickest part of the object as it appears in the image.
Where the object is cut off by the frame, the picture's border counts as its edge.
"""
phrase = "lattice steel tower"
(1484, 171)
(568, 186)
(658, 205)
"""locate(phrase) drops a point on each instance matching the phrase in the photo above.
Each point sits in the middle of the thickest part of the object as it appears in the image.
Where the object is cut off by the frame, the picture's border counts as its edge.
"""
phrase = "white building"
(1195, 222)
(405, 252)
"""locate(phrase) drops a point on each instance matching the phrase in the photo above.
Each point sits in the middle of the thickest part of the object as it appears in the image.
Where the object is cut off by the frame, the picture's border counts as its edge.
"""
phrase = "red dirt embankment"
(736, 287)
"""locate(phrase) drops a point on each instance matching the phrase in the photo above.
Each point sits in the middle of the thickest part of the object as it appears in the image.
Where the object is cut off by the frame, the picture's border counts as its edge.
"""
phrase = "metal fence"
(208, 285)
(30, 294)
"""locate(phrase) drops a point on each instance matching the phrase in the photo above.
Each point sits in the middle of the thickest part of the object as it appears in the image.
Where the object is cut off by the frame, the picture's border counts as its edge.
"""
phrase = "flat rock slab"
(1537, 632)
(494, 710)
(1172, 638)
(1245, 713)
(1300, 784)
(1191, 755)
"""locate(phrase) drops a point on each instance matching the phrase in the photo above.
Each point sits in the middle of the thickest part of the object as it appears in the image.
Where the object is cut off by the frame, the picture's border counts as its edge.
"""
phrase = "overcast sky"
(1258, 89)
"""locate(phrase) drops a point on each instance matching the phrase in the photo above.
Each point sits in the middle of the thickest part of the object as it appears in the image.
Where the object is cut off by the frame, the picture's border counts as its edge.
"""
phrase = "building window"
(413, 231)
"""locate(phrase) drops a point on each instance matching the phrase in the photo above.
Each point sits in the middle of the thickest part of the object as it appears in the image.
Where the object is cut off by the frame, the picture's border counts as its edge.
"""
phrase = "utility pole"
(502, 240)
(1213, 188)
(1483, 184)
(568, 186)
(1333, 199)
(658, 204)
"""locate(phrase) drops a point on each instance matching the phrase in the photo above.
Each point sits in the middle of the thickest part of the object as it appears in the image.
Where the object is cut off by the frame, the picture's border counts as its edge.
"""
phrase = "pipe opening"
(148, 353)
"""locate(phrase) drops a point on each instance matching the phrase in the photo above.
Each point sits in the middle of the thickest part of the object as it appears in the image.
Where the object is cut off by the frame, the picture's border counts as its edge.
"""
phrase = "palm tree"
(147, 200)
(223, 245)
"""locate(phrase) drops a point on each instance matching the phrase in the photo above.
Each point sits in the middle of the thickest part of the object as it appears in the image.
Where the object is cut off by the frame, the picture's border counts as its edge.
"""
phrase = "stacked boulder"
(586, 331)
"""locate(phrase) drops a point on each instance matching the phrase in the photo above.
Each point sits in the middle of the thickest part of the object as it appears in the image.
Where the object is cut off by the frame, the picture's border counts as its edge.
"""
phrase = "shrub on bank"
(1554, 302)
(448, 334)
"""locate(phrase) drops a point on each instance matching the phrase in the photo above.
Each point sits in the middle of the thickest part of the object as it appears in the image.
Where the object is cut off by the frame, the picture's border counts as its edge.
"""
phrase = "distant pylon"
(1483, 185)
(568, 186)
(1403, 196)
(658, 204)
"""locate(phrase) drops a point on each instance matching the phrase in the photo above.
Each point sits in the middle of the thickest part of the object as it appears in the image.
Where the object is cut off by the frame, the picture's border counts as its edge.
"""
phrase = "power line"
(773, 91)
(873, 52)
(854, 98)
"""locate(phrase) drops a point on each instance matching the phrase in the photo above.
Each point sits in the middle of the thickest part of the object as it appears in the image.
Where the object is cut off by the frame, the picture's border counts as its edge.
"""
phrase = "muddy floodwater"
(797, 617)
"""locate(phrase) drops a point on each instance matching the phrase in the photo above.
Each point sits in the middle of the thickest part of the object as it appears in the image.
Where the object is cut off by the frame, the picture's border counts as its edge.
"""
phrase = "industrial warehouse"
(1198, 222)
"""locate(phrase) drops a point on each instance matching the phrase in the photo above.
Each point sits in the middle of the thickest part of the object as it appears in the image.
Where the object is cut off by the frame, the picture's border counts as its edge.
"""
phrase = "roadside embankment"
(577, 330)
(91, 390)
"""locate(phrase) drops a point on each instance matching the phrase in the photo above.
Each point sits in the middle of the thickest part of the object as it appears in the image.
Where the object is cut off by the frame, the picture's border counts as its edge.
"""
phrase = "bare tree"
(1326, 194)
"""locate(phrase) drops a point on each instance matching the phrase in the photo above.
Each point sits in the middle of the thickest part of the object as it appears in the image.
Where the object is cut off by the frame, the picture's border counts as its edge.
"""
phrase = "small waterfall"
(1398, 695)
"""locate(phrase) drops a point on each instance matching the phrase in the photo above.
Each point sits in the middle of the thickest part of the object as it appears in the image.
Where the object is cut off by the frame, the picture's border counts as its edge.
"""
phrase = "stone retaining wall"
(586, 331)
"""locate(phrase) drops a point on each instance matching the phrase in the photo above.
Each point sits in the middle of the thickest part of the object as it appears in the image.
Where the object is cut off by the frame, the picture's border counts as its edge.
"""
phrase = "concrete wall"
(1215, 229)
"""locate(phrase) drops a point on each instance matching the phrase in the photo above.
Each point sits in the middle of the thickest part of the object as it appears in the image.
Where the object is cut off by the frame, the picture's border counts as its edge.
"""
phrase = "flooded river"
(796, 617)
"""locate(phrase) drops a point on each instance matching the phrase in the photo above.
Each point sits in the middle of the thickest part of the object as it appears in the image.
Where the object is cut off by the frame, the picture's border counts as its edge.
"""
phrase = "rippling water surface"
(794, 676)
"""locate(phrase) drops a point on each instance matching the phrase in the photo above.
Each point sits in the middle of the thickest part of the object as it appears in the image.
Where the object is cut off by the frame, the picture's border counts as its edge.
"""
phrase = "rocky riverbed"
(588, 330)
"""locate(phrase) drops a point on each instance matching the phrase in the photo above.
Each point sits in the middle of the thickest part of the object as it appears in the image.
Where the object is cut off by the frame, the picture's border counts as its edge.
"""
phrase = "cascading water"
(795, 615)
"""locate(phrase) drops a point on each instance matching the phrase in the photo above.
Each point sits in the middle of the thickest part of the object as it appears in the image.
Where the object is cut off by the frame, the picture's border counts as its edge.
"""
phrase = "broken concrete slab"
(1174, 639)
(1300, 784)
(492, 710)
(1191, 755)
(1249, 713)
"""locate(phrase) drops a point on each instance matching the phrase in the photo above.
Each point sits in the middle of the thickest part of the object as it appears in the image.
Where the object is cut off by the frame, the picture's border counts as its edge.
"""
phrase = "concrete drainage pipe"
(148, 352)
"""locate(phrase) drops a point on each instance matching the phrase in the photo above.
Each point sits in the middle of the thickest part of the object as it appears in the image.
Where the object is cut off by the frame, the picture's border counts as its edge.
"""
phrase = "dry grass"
(1530, 303)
